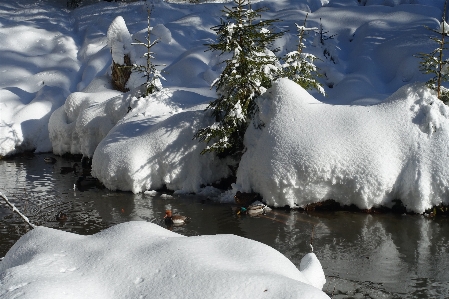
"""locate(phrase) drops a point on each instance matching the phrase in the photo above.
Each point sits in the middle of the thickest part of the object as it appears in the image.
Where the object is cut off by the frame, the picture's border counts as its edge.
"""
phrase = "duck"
(61, 216)
(66, 169)
(50, 160)
(86, 182)
(174, 219)
(254, 209)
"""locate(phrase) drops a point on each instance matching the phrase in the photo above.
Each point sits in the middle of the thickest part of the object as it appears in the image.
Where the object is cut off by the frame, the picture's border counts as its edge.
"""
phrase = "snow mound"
(163, 33)
(147, 260)
(38, 70)
(25, 126)
(119, 40)
(309, 151)
(152, 147)
(85, 119)
(310, 266)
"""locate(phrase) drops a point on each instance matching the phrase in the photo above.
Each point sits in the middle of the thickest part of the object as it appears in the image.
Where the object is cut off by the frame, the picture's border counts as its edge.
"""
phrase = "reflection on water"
(363, 256)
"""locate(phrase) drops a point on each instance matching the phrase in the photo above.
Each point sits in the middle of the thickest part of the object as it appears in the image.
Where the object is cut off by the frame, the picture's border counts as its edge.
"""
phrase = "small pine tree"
(433, 62)
(152, 75)
(299, 66)
(246, 76)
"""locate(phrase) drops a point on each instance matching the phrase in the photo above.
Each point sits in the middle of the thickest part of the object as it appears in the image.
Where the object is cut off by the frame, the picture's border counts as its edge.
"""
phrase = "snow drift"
(148, 261)
(152, 147)
(309, 151)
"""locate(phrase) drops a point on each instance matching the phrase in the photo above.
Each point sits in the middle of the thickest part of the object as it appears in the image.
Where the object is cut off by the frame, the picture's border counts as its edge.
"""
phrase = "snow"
(309, 151)
(160, 132)
(148, 261)
(377, 135)
(119, 40)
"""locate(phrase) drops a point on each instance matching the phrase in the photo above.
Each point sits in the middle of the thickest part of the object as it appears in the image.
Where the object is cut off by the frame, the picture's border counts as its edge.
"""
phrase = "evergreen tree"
(299, 66)
(247, 74)
(152, 75)
(434, 62)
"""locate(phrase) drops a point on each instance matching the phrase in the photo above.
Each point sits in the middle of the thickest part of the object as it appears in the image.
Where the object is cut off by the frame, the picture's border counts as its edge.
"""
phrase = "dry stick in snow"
(14, 209)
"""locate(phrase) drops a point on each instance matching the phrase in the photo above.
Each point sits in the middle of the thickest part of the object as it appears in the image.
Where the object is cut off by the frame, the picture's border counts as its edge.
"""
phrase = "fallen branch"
(311, 238)
(14, 209)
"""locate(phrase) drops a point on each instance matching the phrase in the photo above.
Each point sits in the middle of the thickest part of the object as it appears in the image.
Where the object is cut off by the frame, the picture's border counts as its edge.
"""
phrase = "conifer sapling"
(434, 63)
(299, 66)
(152, 75)
(247, 74)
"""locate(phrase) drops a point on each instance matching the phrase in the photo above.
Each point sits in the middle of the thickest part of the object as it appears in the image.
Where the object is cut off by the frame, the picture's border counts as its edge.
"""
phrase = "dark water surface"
(363, 256)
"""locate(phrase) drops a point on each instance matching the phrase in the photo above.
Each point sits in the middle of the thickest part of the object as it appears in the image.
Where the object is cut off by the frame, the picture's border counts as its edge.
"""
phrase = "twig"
(311, 238)
(14, 209)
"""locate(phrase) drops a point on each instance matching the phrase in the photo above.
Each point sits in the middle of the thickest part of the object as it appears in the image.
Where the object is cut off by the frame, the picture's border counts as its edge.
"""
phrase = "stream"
(363, 255)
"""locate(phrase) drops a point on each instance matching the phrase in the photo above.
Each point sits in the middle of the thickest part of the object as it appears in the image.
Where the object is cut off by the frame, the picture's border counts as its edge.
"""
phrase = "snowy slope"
(38, 70)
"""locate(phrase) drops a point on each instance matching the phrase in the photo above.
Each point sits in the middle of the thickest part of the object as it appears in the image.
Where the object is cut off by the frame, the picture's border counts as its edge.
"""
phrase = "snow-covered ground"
(378, 135)
(144, 260)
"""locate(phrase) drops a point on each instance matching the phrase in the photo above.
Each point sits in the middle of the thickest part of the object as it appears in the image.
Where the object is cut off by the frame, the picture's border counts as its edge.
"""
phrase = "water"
(363, 256)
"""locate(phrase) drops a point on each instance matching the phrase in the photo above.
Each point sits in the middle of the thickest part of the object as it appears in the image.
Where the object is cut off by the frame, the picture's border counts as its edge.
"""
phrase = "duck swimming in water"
(254, 209)
(174, 219)
(61, 216)
(50, 160)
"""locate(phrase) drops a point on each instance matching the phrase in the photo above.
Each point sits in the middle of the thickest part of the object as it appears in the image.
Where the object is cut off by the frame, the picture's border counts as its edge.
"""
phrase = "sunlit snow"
(144, 260)
(376, 136)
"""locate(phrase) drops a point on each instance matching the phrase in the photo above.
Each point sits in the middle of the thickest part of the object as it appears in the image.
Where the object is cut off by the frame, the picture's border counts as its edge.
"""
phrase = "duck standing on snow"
(175, 220)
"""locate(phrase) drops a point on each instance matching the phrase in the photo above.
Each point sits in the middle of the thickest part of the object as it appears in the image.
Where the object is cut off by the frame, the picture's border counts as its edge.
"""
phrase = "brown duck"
(174, 219)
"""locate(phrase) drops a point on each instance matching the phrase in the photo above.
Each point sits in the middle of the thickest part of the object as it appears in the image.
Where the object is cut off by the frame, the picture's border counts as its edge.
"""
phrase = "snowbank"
(309, 151)
(152, 147)
(86, 118)
(144, 260)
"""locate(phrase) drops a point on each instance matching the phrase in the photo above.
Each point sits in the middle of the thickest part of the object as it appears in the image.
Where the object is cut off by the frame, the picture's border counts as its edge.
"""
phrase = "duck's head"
(61, 216)
(168, 214)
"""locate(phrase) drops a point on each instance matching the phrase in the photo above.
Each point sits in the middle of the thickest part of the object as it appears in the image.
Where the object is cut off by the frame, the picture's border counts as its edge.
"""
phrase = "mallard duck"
(61, 216)
(174, 219)
(254, 209)
(67, 169)
(50, 160)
